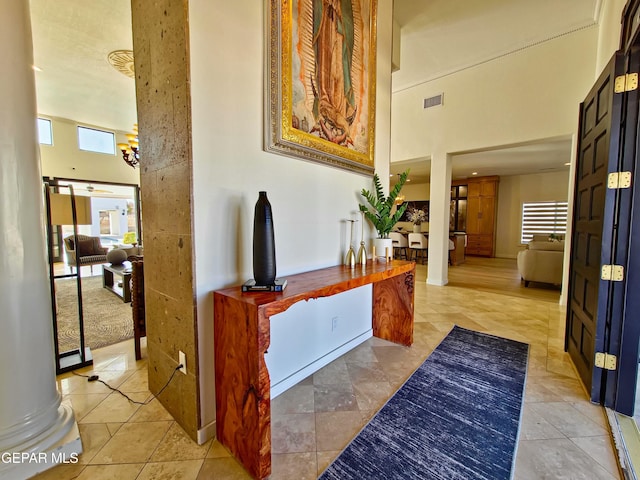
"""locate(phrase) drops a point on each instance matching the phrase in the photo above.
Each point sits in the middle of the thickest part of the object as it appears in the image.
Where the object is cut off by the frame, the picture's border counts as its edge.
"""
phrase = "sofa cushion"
(549, 246)
(86, 247)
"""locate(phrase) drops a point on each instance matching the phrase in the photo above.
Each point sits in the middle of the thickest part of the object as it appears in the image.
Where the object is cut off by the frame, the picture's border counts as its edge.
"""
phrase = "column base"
(59, 444)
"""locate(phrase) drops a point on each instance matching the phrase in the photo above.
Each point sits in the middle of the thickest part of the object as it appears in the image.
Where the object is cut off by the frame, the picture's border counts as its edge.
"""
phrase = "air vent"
(434, 101)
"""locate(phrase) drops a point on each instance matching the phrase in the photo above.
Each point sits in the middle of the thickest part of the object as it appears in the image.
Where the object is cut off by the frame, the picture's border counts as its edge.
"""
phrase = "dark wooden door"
(599, 142)
(624, 238)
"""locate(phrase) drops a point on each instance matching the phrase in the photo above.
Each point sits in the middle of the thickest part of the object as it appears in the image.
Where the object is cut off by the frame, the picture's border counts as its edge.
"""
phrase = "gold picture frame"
(321, 105)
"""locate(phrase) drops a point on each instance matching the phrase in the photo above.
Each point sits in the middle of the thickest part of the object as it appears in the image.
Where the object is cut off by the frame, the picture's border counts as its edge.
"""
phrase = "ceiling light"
(474, 173)
(130, 152)
(567, 164)
(122, 61)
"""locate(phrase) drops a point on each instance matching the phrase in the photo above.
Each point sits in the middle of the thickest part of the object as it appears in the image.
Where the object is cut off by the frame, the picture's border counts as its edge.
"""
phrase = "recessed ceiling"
(539, 157)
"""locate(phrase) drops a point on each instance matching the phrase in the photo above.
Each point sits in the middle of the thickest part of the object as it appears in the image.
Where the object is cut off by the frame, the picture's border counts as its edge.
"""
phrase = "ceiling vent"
(434, 101)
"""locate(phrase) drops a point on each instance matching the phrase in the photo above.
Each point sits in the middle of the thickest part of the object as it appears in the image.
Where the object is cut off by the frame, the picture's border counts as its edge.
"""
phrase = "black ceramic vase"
(264, 247)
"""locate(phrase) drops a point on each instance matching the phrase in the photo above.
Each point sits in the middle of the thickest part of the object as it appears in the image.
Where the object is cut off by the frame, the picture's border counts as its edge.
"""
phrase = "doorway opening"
(115, 213)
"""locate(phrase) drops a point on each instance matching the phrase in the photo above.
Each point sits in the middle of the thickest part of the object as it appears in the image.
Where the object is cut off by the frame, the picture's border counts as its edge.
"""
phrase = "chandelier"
(130, 152)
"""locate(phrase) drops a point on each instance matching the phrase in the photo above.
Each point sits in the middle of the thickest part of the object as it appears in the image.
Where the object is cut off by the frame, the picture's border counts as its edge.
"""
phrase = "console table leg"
(243, 389)
(393, 308)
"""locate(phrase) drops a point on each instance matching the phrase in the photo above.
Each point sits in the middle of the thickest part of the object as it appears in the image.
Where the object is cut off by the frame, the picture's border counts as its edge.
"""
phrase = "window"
(97, 141)
(543, 218)
(45, 134)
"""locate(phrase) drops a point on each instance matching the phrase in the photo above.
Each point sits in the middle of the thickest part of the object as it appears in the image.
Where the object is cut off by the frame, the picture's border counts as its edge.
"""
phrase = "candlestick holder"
(361, 258)
(350, 258)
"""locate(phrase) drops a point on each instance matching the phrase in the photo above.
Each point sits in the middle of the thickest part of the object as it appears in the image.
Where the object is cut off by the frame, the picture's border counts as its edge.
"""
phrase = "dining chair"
(400, 245)
(419, 244)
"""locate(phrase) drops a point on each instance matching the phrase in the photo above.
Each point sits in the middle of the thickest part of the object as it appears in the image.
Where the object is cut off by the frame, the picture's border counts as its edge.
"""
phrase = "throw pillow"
(85, 248)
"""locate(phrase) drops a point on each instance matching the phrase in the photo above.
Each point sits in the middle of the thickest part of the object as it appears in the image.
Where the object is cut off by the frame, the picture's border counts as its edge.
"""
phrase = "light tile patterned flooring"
(562, 434)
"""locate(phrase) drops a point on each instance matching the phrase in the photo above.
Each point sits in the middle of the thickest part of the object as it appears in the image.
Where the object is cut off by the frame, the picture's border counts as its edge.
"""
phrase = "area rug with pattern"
(107, 319)
(456, 417)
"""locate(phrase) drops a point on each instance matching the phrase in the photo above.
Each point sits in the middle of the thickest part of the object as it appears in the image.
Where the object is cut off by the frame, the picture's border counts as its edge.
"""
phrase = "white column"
(32, 419)
(566, 271)
(439, 198)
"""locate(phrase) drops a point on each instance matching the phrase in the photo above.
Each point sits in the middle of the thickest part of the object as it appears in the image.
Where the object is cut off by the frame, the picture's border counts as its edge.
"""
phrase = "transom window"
(98, 141)
(45, 135)
(543, 218)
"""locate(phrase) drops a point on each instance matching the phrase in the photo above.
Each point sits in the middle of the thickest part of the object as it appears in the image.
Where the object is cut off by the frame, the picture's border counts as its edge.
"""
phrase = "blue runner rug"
(456, 417)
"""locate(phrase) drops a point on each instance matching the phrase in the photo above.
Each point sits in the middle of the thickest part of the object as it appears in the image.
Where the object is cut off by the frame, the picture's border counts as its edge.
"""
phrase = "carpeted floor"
(456, 417)
(107, 319)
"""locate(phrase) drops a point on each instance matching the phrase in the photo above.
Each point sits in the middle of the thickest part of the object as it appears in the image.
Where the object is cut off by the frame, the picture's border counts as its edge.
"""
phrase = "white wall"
(310, 201)
(610, 22)
(420, 191)
(64, 159)
(529, 95)
(119, 204)
(329, 322)
(513, 191)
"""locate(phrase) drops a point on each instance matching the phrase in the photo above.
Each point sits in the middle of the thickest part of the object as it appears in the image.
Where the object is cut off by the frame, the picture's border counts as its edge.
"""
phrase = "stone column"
(35, 428)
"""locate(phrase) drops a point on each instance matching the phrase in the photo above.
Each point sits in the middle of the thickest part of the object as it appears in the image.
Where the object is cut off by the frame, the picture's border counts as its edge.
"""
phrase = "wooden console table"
(242, 337)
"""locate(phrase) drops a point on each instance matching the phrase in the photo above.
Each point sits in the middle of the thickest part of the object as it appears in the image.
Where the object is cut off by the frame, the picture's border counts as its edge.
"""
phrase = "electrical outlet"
(334, 324)
(182, 359)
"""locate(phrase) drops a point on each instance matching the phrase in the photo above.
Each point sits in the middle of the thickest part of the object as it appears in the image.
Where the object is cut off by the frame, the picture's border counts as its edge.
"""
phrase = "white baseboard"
(291, 380)
(206, 433)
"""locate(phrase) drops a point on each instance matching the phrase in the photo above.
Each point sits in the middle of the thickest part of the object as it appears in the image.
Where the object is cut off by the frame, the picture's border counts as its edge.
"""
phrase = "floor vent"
(434, 101)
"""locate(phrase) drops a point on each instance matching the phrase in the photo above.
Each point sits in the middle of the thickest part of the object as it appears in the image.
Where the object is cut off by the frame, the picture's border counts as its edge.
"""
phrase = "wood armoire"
(482, 202)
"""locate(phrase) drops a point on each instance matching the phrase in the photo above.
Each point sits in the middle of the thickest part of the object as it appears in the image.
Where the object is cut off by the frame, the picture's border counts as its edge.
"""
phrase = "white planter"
(381, 245)
(417, 228)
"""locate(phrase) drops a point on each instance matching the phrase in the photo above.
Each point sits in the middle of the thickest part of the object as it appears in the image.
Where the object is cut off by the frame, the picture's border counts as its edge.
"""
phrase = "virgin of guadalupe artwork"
(334, 102)
(327, 55)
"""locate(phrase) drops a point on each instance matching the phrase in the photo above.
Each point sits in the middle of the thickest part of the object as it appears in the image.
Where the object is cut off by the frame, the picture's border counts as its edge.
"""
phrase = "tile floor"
(563, 436)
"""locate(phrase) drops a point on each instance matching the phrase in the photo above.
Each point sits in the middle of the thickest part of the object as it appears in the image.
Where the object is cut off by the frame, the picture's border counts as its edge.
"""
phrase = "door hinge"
(626, 83)
(619, 180)
(606, 361)
(614, 273)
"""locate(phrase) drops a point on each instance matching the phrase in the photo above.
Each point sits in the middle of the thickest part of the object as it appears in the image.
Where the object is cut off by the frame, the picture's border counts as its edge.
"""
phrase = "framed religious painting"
(321, 75)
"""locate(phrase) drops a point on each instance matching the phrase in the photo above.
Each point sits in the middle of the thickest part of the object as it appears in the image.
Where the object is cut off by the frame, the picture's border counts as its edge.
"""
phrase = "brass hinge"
(619, 180)
(626, 83)
(612, 272)
(606, 361)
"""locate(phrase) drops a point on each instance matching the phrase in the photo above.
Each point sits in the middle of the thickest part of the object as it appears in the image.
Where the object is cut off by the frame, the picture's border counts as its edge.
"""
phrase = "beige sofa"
(542, 261)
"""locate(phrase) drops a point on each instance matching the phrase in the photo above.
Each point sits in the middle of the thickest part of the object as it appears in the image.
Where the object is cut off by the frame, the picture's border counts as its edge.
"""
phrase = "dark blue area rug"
(456, 417)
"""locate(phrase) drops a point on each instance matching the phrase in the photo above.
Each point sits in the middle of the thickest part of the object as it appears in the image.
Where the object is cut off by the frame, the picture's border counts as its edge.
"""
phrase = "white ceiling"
(440, 37)
(72, 39)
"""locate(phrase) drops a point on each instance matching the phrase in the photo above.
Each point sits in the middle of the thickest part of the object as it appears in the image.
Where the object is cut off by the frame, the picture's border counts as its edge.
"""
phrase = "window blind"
(543, 218)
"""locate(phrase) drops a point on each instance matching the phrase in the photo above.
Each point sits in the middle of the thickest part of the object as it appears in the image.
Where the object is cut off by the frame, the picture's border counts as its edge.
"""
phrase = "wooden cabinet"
(482, 202)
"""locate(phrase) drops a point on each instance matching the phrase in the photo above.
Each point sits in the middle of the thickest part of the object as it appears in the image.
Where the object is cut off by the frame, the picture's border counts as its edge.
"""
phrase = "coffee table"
(121, 288)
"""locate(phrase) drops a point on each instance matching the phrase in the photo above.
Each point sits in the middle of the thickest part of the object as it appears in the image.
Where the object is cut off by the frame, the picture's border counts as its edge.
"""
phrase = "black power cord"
(95, 378)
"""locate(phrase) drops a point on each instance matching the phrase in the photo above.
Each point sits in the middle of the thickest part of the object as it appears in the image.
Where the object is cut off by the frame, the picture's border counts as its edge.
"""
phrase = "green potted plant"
(379, 211)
